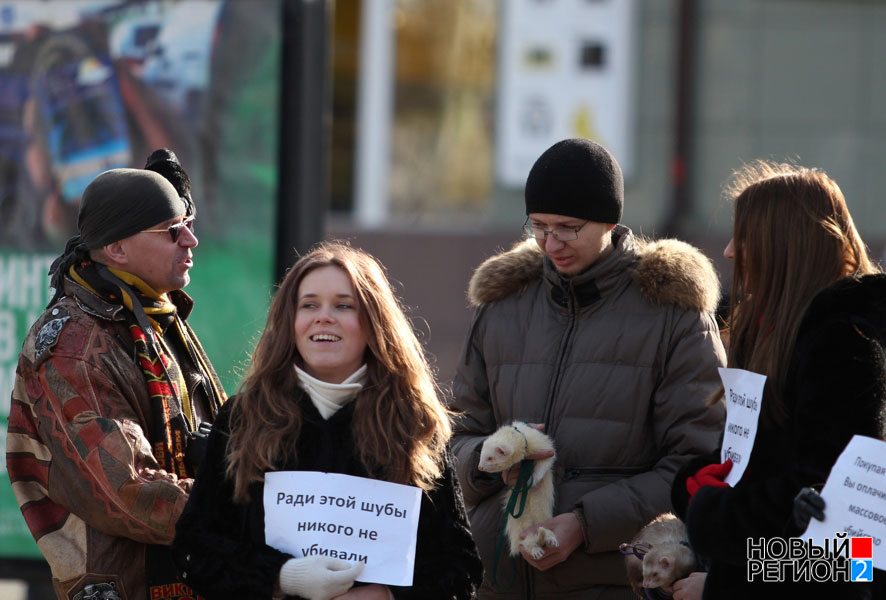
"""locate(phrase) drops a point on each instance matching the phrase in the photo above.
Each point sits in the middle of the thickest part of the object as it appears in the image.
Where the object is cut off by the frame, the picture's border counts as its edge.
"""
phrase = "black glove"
(808, 503)
(196, 449)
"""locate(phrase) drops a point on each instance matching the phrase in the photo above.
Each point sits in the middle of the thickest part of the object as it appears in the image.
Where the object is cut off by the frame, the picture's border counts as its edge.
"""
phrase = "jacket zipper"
(527, 578)
(555, 385)
(529, 588)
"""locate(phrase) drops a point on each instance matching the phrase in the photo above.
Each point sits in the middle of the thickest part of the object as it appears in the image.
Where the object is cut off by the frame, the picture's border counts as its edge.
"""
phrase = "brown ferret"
(667, 559)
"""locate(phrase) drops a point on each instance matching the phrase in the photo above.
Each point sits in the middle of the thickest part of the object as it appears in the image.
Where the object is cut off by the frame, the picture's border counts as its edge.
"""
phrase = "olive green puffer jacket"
(618, 362)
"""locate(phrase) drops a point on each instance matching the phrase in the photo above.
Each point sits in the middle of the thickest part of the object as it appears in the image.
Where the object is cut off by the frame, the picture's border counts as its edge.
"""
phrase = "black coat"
(836, 388)
(220, 546)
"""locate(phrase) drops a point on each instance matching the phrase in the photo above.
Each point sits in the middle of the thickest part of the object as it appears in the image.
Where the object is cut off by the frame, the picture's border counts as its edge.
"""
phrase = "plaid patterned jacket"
(77, 450)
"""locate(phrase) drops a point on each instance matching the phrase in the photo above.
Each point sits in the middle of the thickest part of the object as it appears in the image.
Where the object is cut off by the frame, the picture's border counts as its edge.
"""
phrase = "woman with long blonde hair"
(338, 383)
(808, 311)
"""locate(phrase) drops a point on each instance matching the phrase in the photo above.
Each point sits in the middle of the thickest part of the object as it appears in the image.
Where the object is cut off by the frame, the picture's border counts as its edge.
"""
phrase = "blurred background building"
(696, 87)
(407, 127)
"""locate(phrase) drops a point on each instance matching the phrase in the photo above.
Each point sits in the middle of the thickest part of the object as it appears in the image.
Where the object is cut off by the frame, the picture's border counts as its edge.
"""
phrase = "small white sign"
(744, 397)
(566, 69)
(855, 497)
(352, 518)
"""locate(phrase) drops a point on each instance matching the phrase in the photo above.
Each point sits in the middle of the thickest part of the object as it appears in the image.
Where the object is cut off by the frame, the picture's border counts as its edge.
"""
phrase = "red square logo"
(861, 547)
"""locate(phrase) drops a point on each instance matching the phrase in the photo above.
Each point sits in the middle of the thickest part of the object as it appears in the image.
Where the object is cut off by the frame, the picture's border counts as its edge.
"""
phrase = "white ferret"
(668, 556)
(506, 448)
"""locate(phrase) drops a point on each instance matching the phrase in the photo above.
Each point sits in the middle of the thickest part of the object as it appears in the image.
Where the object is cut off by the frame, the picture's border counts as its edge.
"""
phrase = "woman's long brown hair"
(793, 236)
(400, 426)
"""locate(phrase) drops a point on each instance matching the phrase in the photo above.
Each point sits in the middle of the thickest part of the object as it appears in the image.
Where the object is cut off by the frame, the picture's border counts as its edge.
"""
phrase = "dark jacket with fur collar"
(220, 546)
(836, 389)
(618, 363)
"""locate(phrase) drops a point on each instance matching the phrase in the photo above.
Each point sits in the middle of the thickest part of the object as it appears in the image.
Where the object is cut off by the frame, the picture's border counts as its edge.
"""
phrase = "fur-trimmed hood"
(667, 271)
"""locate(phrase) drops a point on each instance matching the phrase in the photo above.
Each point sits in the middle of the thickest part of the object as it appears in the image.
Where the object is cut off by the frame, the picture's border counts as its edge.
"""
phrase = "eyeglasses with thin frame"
(174, 230)
(563, 234)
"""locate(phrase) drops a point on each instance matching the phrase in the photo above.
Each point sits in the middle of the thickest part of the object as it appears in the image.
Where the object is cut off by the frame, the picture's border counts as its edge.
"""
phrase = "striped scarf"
(148, 313)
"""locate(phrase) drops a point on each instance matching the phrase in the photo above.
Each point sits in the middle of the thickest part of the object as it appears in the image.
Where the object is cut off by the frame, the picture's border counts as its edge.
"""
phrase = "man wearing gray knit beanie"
(114, 394)
(605, 342)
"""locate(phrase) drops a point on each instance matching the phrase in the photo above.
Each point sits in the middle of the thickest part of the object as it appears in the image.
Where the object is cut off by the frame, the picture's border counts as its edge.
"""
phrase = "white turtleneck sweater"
(329, 397)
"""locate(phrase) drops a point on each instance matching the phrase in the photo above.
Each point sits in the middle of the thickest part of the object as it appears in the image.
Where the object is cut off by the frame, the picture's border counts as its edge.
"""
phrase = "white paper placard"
(744, 397)
(352, 518)
(855, 497)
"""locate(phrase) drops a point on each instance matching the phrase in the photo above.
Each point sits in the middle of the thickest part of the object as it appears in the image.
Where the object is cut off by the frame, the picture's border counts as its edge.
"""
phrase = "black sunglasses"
(174, 230)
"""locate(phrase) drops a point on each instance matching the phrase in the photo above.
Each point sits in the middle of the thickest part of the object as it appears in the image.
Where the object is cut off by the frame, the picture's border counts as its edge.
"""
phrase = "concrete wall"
(790, 78)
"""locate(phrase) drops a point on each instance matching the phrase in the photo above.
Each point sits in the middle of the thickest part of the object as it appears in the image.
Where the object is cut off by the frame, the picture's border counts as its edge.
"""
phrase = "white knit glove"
(318, 577)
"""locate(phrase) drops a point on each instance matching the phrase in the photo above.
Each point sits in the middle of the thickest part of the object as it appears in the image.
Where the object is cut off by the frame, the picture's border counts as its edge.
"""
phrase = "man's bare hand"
(690, 588)
(569, 533)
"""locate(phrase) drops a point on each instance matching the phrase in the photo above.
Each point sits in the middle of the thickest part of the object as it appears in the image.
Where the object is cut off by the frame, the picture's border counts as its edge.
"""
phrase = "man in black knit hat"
(114, 394)
(608, 344)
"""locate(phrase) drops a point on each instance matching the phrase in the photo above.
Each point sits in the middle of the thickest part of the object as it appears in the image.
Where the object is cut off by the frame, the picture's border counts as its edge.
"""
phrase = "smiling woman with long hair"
(808, 310)
(338, 383)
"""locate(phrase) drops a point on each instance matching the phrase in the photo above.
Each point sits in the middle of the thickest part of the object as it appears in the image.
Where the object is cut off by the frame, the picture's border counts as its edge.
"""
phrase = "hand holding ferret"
(504, 451)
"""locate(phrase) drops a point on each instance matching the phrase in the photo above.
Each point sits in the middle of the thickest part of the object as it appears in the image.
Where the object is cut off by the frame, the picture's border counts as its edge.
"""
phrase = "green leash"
(518, 495)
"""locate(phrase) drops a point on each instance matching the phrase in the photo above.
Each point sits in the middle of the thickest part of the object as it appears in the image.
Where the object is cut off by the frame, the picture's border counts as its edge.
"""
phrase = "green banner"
(91, 85)
(23, 295)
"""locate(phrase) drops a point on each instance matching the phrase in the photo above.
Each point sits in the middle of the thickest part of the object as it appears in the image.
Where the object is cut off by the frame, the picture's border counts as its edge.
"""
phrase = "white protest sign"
(744, 397)
(342, 516)
(855, 497)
